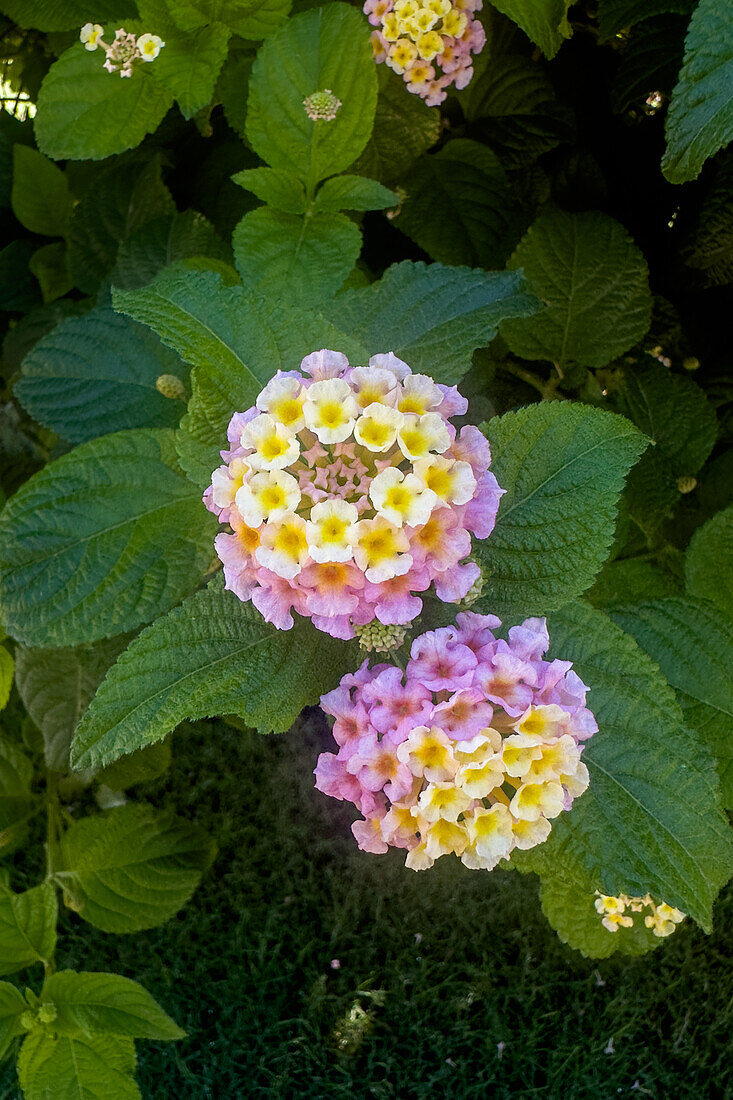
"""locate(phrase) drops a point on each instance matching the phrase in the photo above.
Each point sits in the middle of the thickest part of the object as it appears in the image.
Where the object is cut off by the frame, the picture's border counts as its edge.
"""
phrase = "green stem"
(53, 833)
(546, 387)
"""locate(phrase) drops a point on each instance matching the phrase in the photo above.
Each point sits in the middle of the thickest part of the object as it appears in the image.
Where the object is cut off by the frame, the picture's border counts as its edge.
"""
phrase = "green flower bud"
(322, 106)
(170, 385)
(376, 637)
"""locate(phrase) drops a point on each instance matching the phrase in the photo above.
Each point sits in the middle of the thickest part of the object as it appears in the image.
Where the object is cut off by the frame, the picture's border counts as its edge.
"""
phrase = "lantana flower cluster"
(473, 751)
(616, 912)
(429, 43)
(348, 491)
(125, 51)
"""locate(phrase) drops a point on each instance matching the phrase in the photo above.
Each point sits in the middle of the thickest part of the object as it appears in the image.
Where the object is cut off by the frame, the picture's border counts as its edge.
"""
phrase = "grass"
(449, 984)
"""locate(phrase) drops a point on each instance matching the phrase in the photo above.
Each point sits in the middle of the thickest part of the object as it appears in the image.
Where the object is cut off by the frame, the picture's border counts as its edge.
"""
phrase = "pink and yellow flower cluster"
(348, 490)
(430, 43)
(617, 912)
(473, 751)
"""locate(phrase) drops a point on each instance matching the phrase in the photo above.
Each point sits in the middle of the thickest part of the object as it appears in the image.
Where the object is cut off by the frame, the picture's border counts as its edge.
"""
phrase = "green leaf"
(650, 819)
(12, 1007)
(279, 189)
(403, 129)
(563, 466)
(96, 374)
(708, 573)
(27, 928)
(544, 21)
(139, 767)
(212, 655)
(16, 770)
(616, 15)
(189, 65)
(40, 197)
(132, 867)
(17, 804)
(630, 581)
(18, 288)
(595, 283)
(433, 317)
(327, 48)
(161, 242)
(513, 107)
(571, 911)
(248, 18)
(107, 537)
(353, 193)
(700, 116)
(233, 85)
(86, 113)
(235, 341)
(297, 260)
(95, 1003)
(50, 265)
(125, 199)
(7, 670)
(672, 410)
(56, 686)
(693, 645)
(650, 62)
(65, 15)
(79, 1067)
(459, 206)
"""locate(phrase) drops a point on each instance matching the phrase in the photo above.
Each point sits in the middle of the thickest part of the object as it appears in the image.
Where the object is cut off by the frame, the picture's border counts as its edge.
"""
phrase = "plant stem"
(546, 387)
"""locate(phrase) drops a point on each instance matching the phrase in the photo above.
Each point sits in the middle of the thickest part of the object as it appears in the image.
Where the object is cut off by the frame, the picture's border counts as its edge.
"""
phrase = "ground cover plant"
(377, 359)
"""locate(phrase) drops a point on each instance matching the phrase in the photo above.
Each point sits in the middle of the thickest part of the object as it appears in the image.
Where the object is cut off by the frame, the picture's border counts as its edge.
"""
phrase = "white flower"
(149, 46)
(90, 33)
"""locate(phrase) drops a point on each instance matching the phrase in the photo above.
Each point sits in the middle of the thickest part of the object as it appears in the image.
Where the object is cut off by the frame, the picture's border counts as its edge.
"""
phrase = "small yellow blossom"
(268, 495)
(533, 800)
(90, 35)
(451, 480)
(283, 399)
(442, 800)
(376, 429)
(274, 446)
(330, 410)
(283, 547)
(149, 46)
(331, 531)
(401, 498)
(421, 435)
(428, 753)
(430, 45)
(381, 549)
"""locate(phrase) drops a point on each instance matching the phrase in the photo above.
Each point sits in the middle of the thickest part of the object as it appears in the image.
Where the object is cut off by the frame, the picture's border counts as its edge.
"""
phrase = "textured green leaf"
(434, 317)
(595, 283)
(27, 928)
(650, 819)
(7, 669)
(50, 265)
(563, 466)
(105, 538)
(233, 85)
(708, 573)
(18, 288)
(700, 116)
(278, 188)
(235, 341)
(617, 15)
(125, 199)
(56, 686)
(96, 374)
(513, 107)
(571, 912)
(299, 261)
(17, 804)
(16, 770)
(708, 248)
(672, 410)
(64, 15)
(40, 196)
(132, 867)
(77, 1067)
(544, 21)
(212, 655)
(189, 65)
(139, 767)
(161, 242)
(327, 48)
(630, 581)
(12, 1007)
(353, 193)
(95, 1003)
(693, 645)
(459, 206)
(86, 113)
(247, 18)
(403, 129)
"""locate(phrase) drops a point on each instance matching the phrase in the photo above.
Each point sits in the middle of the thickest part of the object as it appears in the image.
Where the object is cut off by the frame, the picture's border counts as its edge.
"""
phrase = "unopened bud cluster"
(125, 51)
(322, 106)
(617, 912)
(375, 637)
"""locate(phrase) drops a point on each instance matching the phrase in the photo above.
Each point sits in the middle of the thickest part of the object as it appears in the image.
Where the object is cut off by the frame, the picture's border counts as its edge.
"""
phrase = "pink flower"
(440, 663)
(507, 680)
(393, 601)
(465, 714)
(394, 707)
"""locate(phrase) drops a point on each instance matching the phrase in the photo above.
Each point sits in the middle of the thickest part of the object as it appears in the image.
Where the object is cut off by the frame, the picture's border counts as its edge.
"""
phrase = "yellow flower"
(428, 753)
(533, 800)
(283, 399)
(430, 45)
(381, 549)
(273, 445)
(391, 29)
(267, 495)
(419, 435)
(614, 921)
(377, 428)
(401, 498)
(527, 834)
(149, 46)
(330, 410)
(455, 23)
(442, 800)
(331, 531)
(283, 546)
(401, 54)
(373, 384)
(418, 394)
(453, 482)
(444, 837)
(90, 35)
(490, 834)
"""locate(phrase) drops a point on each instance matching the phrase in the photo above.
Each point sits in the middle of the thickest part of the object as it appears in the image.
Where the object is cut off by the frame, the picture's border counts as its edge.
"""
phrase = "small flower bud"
(376, 637)
(474, 593)
(686, 483)
(170, 385)
(28, 1020)
(47, 1013)
(322, 106)
(691, 363)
